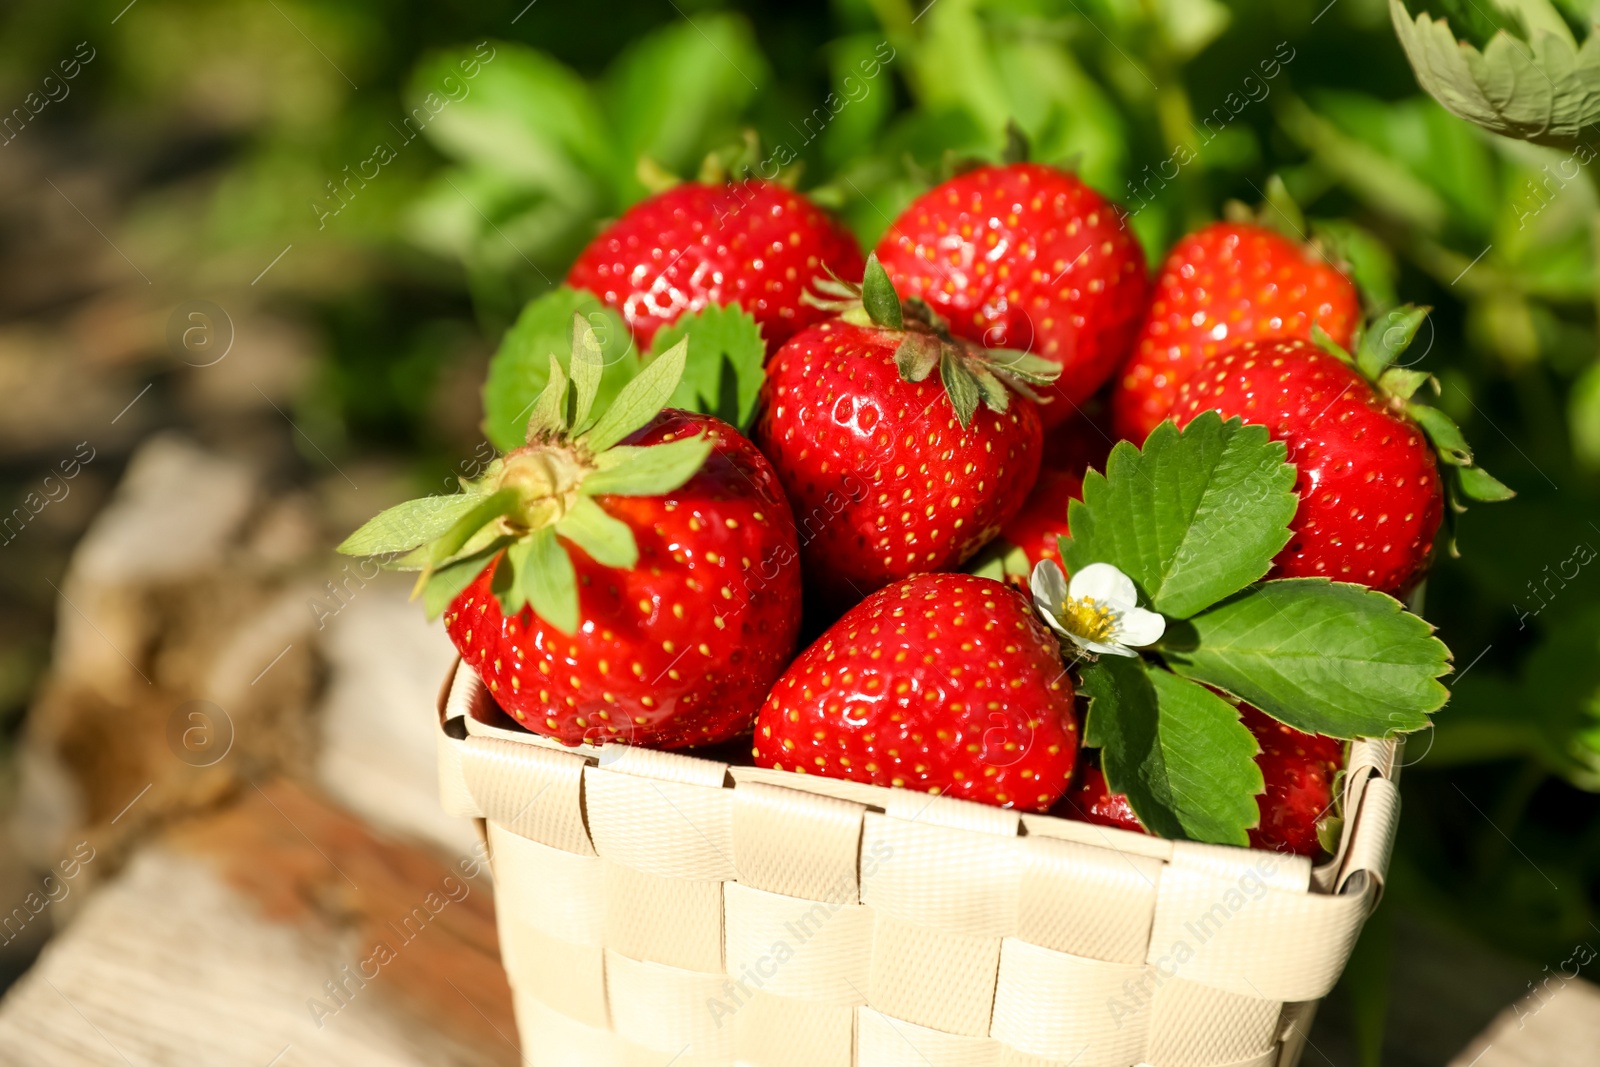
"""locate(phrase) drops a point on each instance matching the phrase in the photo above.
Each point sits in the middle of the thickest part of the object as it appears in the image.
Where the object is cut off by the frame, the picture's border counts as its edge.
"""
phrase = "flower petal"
(1139, 627)
(1104, 583)
(1049, 587)
(1111, 648)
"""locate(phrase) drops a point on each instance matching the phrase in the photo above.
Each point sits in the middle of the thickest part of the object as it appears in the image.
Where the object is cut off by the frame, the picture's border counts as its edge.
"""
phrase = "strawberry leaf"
(916, 357)
(405, 526)
(959, 385)
(1443, 432)
(549, 417)
(720, 338)
(1179, 752)
(456, 537)
(878, 297)
(1324, 657)
(447, 583)
(521, 367)
(1379, 348)
(549, 581)
(640, 400)
(1477, 484)
(608, 541)
(1194, 517)
(588, 368)
(647, 470)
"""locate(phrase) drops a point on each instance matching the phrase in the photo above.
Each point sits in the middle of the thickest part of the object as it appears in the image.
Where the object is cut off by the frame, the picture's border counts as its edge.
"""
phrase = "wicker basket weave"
(657, 908)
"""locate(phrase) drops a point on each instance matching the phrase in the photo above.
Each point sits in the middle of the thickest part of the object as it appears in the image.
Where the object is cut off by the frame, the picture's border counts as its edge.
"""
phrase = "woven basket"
(657, 908)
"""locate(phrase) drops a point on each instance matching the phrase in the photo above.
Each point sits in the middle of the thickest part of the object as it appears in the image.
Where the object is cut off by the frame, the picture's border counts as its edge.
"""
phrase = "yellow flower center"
(1088, 618)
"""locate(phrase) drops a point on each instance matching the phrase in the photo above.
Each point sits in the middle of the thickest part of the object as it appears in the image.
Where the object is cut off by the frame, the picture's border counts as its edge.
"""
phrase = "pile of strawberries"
(643, 574)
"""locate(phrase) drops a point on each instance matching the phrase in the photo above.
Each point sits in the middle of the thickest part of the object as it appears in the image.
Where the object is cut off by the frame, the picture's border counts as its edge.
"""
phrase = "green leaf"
(519, 112)
(405, 526)
(448, 582)
(588, 368)
(1365, 258)
(508, 583)
(1193, 518)
(648, 470)
(1536, 91)
(1478, 484)
(1179, 752)
(959, 385)
(1325, 657)
(465, 528)
(640, 400)
(1443, 432)
(1380, 347)
(608, 541)
(550, 582)
(1402, 383)
(916, 356)
(521, 367)
(882, 303)
(673, 93)
(549, 417)
(719, 338)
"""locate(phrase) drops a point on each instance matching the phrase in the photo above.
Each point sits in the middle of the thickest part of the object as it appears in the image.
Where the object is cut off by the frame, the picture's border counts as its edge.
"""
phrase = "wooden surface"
(215, 944)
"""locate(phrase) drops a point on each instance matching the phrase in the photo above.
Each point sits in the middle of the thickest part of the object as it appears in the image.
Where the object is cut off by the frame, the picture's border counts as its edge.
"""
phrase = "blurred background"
(254, 255)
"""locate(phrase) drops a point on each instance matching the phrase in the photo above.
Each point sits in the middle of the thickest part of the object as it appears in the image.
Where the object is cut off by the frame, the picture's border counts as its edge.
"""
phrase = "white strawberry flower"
(1099, 609)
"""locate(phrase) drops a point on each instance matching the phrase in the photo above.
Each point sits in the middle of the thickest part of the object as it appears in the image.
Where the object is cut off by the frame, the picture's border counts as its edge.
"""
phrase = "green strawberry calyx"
(534, 498)
(970, 373)
(1378, 346)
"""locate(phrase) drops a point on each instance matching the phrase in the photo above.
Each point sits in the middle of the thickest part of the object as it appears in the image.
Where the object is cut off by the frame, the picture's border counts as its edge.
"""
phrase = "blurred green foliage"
(1170, 106)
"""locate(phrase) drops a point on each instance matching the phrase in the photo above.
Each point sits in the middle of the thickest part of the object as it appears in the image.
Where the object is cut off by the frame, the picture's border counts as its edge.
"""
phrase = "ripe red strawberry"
(1026, 257)
(1299, 770)
(944, 683)
(1370, 493)
(751, 243)
(891, 470)
(1091, 799)
(612, 580)
(1226, 283)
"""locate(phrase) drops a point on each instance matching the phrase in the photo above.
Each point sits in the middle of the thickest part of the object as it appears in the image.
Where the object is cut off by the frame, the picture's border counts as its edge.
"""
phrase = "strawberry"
(1226, 283)
(946, 683)
(1300, 772)
(1034, 533)
(751, 243)
(892, 470)
(1028, 257)
(630, 576)
(1371, 495)
(1091, 799)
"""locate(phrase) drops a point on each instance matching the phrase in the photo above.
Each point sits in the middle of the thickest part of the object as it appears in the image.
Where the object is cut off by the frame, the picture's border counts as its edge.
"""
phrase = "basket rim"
(1351, 869)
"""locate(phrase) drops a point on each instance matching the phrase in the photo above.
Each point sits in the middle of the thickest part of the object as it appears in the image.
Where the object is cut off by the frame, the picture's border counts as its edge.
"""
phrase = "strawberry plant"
(1168, 550)
(628, 573)
(902, 448)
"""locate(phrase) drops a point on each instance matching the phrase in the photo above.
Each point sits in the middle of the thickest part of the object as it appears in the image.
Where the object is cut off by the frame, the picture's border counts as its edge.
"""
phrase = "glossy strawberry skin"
(1042, 522)
(1370, 494)
(751, 243)
(1025, 256)
(1091, 800)
(1226, 283)
(941, 683)
(884, 481)
(678, 651)
(1299, 771)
